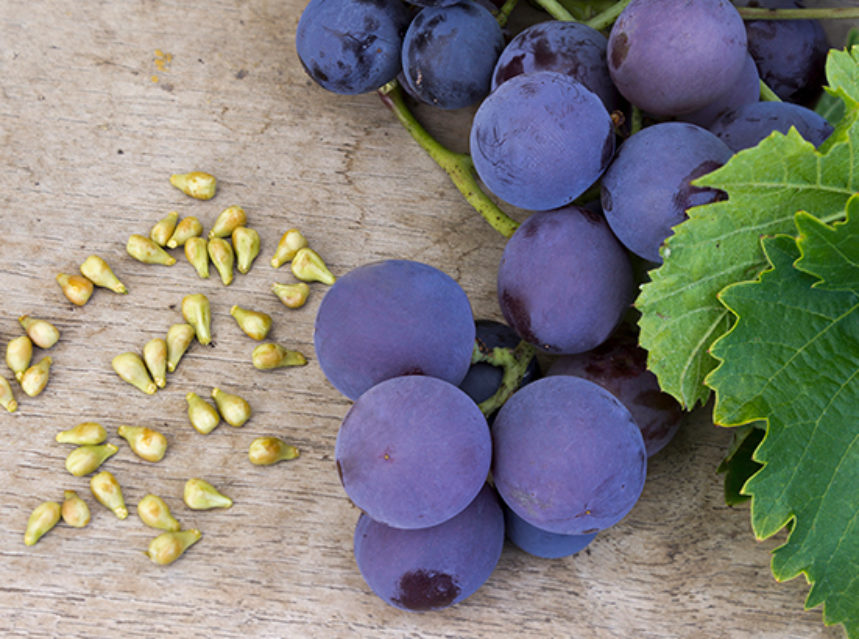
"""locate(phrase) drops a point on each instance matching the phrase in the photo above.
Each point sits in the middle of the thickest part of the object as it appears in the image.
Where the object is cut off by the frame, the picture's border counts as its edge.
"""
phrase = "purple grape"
(542, 543)
(351, 46)
(568, 457)
(571, 48)
(449, 52)
(483, 380)
(540, 140)
(432, 568)
(564, 281)
(746, 90)
(790, 54)
(675, 56)
(413, 451)
(745, 127)
(620, 366)
(392, 318)
(646, 190)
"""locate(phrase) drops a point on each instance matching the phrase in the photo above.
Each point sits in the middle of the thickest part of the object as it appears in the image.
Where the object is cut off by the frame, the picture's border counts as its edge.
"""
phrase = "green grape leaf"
(844, 74)
(739, 464)
(792, 358)
(719, 244)
(831, 253)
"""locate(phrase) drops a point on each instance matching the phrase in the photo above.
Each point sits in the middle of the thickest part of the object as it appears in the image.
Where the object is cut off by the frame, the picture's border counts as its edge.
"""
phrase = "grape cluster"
(601, 135)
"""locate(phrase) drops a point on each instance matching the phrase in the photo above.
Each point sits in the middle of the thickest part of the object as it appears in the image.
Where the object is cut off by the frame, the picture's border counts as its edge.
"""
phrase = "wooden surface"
(101, 102)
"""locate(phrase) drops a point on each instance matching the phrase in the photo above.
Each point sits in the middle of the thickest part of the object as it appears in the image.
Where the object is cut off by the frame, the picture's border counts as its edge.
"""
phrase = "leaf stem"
(815, 13)
(458, 166)
(606, 18)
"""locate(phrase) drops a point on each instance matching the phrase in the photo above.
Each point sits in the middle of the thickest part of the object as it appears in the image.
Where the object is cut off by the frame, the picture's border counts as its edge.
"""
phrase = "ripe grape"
(351, 46)
(790, 54)
(564, 281)
(745, 90)
(745, 127)
(540, 140)
(436, 567)
(542, 543)
(413, 451)
(571, 48)
(620, 366)
(646, 190)
(391, 318)
(449, 53)
(675, 56)
(568, 457)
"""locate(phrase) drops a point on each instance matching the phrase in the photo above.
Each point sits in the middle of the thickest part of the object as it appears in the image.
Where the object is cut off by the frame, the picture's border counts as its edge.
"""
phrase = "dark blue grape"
(413, 451)
(449, 53)
(483, 379)
(564, 281)
(568, 457)
(542, 543)
(790, 54)
(745, 127)
(571, 48)
(675, 56)
(351, 46)
(432, 568)
(646, 190)
(540, 140)
(392, 318)
(620, 366)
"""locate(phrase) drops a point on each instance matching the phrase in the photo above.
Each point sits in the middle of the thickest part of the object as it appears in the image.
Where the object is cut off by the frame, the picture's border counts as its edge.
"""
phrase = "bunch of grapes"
(600, 135)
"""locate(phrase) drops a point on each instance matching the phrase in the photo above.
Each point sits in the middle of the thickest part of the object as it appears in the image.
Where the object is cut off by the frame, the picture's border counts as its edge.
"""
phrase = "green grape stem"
(513, 362)
(767, 94)
(505, 11)
(458, 166)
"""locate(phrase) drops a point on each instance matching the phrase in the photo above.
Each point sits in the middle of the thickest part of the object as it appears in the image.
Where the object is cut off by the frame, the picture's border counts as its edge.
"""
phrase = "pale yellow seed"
(255, 324)
(146, 443)
(75, 511)
(197, 184)
(87, 458)
(76, 288)
(308, 266)
(271, 355)
(83, 433)
(96, 270)
(227, 221)
(163, 229)
(288, 245)
(187, 228)
(131, 368)
(169, 546)
(292, 295)
(7, 397)
(197, 253)
(35, 378)
(203, 416)
(42, 332)
(265, 451)
(196, 311)
(155, 358)
(246, 244)
(222, 256)
(234, 409)
(107, 491)
(154, 512)
(44, 517)
(143, 249)
(179, 338)
(201, 495)
(19, 353)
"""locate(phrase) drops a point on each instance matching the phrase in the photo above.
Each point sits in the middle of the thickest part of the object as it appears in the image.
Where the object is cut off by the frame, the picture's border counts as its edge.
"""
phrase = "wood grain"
(101, 102)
